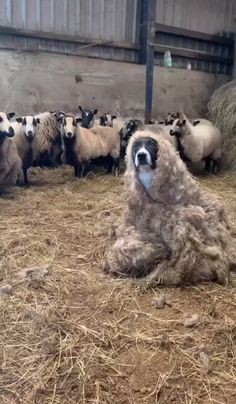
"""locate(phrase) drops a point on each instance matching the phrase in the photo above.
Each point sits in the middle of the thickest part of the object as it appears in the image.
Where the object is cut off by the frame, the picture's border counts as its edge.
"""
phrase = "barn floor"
(71, 334)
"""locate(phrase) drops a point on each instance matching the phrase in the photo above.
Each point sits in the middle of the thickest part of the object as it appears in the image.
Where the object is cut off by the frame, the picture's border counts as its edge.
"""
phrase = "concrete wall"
(35, 82)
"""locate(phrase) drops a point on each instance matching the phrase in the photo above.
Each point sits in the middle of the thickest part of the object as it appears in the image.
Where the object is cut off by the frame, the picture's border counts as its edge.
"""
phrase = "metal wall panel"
(208, 16)
(113, 20)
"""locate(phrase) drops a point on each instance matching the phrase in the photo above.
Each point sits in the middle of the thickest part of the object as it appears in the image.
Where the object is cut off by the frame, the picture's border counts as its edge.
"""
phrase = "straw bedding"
(71, 334)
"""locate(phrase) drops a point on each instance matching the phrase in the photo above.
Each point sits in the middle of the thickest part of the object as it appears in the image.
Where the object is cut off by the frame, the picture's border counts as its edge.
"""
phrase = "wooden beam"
(193, 54)
(167, 29)
(66, 38)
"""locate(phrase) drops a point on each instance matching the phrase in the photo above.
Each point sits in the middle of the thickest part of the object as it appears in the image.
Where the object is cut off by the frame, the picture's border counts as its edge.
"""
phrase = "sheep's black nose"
(69, 134)
(30, 133)
(11, 131)
(142, 158)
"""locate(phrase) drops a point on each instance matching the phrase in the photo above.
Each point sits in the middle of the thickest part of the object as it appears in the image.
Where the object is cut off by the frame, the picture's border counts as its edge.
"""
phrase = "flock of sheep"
(53, 138)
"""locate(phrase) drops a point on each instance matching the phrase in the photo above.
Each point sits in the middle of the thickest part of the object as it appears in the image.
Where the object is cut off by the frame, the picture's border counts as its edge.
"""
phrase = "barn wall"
(41, 81)
(208, 16)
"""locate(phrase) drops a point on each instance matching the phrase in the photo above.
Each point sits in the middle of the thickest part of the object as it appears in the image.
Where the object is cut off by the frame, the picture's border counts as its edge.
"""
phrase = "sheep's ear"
(78, 120)
(19, 120)
(184, 121)
(37, 120)
(196, 123)
(60, 118)
(80, 108)
(113, 117)
(95, 111)
(10, 115)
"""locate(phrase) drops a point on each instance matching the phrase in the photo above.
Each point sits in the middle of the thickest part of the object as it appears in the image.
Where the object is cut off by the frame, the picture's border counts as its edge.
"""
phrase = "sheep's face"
(69, 124)
(177, 129)
(129, 129)
(107, 119)
(87, 117)
(29, 124)
(171, 117)
(144, 156)
(5, 126)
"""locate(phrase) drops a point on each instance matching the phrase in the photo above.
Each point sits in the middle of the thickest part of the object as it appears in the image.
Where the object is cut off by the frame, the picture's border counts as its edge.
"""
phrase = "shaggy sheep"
(26, 142)
(87, 117)
(200, 142)
(82, 145)
(10, 163)
(174, 232)
(49, 141)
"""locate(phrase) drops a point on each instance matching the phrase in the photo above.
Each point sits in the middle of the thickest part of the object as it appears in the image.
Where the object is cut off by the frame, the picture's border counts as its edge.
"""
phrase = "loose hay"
(78, 336)
(222, 111)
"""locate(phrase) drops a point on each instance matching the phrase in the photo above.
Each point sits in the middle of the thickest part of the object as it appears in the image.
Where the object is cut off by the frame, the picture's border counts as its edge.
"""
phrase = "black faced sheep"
(87, 117)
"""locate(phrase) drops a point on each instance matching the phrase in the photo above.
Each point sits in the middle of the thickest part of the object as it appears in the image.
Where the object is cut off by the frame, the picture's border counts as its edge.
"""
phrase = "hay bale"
(222, 111)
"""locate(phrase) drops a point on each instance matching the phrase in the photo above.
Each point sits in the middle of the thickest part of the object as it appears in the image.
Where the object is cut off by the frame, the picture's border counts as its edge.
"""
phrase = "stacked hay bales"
(222, 111)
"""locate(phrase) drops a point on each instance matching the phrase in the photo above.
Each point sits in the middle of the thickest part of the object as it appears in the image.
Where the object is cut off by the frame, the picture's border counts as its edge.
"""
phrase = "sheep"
(26, 142)
(201, 121)
(173, 232)
(200, 142)
(87, 117)
(107, 120)
(10, 162)
(49, 141)
(172, 116)
(82, 145)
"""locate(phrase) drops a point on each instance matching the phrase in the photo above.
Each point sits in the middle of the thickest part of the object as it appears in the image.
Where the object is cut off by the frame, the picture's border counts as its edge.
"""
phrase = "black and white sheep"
(199, 143)
(26, 142)
(107, 119)
(82, 145)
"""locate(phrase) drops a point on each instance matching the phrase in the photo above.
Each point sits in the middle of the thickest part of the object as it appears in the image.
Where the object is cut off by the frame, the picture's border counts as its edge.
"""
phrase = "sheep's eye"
(1, 119)
(24, 121)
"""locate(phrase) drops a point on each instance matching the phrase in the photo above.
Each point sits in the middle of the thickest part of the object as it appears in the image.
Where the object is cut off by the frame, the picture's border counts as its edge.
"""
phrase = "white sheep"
(82, 145)
(200, 142)
(10, 162)
(201, 121)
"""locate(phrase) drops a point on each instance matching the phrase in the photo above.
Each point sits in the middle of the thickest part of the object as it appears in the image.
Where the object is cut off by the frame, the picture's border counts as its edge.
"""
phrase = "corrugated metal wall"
(208, 16)
(88, 20)
(99, 19)
(68, 26)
